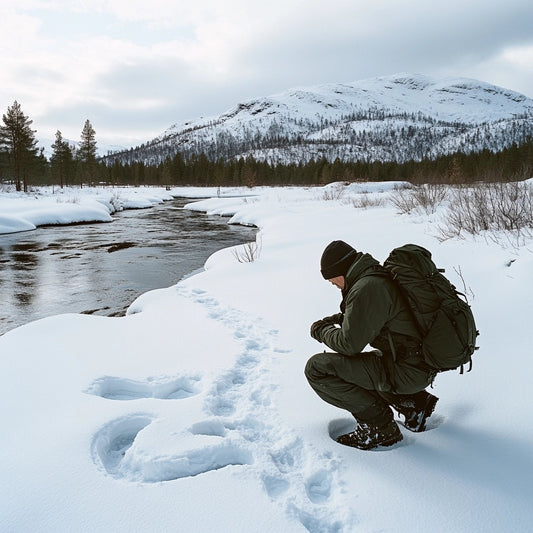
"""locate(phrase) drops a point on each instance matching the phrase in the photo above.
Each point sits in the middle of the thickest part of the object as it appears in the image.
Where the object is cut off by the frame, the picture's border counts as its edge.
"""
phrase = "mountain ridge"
(390, 118)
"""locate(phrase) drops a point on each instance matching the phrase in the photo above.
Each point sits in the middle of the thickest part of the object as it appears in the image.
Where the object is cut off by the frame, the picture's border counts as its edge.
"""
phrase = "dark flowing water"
(102, 268)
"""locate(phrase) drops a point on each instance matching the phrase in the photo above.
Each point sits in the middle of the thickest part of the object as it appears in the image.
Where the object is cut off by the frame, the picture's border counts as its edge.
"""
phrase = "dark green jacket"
(372, 307)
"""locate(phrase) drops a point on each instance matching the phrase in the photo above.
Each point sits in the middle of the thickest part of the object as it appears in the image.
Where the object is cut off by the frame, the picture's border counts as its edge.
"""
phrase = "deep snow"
(192, 413)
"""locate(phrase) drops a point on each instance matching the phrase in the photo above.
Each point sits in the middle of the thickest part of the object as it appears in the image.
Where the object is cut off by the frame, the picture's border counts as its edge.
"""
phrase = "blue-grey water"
(101, 268)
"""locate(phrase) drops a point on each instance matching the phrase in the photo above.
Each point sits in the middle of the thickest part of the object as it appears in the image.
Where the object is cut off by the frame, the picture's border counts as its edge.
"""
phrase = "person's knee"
(314, 367)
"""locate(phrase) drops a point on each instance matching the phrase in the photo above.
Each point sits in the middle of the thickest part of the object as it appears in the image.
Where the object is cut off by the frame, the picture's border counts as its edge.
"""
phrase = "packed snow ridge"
(393, 118)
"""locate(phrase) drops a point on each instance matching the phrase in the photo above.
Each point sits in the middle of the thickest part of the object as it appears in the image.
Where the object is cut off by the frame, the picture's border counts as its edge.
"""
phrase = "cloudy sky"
(134, 67)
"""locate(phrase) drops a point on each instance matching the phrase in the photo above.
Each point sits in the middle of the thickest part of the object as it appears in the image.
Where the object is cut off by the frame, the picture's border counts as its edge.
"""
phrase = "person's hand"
(316, 328)
(334, 319)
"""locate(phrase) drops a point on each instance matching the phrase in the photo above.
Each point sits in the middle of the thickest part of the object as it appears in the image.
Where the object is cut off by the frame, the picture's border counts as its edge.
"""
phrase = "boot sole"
(386, 443)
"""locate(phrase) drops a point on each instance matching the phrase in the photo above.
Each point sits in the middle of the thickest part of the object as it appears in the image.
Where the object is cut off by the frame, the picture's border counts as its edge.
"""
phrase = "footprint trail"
(241, 429)
(304, 482)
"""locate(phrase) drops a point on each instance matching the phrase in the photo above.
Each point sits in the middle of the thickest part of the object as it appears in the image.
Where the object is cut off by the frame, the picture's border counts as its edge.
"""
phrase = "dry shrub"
(425, 198)
(365, 200)
(335, 191)
(248, 252)
(502, 206)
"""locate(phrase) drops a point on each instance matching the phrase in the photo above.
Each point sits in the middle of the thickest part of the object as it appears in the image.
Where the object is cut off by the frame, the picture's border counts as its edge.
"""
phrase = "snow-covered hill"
(394, 118)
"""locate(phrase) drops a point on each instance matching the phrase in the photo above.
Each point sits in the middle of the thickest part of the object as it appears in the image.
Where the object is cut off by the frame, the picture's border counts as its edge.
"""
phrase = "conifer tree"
(61, 159)
(18, 139)
(87, 153)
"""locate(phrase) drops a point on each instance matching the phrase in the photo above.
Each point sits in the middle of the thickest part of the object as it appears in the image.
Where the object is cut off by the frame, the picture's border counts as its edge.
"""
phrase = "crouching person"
(368, 384)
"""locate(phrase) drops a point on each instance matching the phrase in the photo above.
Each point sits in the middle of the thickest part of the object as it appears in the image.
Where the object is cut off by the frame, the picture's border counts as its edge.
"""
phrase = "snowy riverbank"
(72, 205)
(192, 413)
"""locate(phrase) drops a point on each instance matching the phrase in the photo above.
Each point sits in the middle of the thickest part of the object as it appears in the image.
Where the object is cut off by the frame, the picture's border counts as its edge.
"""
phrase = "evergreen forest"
(22, 164)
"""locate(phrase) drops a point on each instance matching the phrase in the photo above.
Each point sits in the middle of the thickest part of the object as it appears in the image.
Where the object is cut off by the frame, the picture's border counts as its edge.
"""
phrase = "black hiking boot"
(416, 408)
(367, 436)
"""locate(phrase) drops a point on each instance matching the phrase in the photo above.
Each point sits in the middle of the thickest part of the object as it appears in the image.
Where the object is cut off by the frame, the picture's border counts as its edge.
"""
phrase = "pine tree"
(87, 153)
(18, 139)
(61, 159)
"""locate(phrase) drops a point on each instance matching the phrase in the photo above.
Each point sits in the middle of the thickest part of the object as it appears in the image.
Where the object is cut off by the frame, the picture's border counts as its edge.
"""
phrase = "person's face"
(338, 282)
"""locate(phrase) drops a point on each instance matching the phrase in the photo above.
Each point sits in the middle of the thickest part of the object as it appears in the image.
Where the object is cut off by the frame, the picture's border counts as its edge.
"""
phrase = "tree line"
(510, 164)
(22, 163)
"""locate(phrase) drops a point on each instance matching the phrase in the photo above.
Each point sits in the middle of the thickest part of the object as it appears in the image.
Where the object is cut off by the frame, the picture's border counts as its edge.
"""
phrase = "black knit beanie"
(336, 259)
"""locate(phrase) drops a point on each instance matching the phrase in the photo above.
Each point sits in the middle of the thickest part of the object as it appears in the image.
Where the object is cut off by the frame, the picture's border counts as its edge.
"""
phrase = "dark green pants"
(360, 384)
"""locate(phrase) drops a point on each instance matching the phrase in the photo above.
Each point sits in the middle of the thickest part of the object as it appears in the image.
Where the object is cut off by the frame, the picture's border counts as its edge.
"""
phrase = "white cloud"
(520, 57)
(512, 63)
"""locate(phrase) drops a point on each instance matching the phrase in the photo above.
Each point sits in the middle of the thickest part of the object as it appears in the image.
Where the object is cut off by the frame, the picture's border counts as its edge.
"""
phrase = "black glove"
(316, 328)
(334, 319)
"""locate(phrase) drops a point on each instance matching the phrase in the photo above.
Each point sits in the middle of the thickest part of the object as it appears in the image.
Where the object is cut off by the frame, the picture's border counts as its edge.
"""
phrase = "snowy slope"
(397, 117)
(192, 413)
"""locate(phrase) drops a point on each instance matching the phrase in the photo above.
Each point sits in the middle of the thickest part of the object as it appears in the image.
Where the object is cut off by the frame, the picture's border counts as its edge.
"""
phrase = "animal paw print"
(113, 388)
(123, 450)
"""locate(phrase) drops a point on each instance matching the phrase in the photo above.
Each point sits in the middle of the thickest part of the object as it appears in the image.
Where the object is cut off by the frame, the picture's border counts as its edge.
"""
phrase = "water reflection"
(24, 261)
(24, 298)
(102, 268)
(18, 272)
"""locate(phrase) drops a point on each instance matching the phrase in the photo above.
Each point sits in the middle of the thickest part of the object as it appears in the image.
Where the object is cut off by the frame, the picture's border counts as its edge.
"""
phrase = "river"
(101, 268)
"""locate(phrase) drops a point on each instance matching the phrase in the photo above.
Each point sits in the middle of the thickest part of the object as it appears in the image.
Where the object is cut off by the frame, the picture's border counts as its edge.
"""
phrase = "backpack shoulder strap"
(376, 270)
(380, 270)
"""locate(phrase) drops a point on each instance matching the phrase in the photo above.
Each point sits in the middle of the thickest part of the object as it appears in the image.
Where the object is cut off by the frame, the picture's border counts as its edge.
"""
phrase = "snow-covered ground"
(192, 413)
(46, 205)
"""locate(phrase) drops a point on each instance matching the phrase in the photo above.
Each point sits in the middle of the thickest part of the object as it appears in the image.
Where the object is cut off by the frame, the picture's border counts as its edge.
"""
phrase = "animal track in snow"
(114, 388)
(275, 486)
(113, 441)
(187, 463)
(208, 427)
(301, 480)
(242, 427)
(285, 458)
(119, 449)
(318, 486)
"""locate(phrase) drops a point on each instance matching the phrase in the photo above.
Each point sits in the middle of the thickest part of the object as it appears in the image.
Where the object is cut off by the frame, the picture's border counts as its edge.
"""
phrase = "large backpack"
(443, 319)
